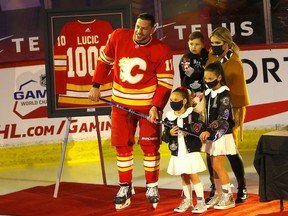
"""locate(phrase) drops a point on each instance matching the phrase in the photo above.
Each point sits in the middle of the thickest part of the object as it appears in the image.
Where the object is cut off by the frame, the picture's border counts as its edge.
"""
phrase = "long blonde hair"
(225, 35)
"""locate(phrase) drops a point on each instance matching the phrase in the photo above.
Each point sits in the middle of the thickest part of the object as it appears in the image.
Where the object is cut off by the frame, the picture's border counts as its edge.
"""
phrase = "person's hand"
(153, 115)
(94, 94)
(197, 97)
(184, 133)
(174, 131)
(204, 135)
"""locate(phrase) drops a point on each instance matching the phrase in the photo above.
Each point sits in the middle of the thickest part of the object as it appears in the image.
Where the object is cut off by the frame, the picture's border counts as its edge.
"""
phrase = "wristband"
(96, 85)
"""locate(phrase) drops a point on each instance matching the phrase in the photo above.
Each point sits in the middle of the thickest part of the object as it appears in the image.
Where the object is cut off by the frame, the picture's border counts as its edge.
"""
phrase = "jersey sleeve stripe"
(168, 86)
(60, 62)
(60, 68)
(166, 80)
(165, 76)
(106, 59)
(86, 88)
(60, 57)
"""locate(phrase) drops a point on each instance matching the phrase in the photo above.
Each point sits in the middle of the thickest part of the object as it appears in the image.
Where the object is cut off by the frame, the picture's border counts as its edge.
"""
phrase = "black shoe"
(212, 192)
(242, 195)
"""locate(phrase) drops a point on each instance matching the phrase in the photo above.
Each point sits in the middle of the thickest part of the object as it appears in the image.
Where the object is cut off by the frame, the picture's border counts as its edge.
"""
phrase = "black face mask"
(212, 84)
(176, 106)
(217, 50)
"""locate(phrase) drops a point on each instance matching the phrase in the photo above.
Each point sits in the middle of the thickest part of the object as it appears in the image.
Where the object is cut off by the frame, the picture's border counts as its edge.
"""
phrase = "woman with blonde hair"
(225, 50)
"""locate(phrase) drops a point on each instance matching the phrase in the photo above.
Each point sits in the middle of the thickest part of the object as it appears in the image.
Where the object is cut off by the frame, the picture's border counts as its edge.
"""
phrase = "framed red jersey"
(73, 43)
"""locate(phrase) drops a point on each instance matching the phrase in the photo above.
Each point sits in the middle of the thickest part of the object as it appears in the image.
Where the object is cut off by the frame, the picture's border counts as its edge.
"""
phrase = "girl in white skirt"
(218, 110)
(186, 159)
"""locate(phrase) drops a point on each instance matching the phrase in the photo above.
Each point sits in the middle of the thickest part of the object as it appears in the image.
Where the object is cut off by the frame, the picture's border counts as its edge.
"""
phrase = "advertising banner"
(23, 114)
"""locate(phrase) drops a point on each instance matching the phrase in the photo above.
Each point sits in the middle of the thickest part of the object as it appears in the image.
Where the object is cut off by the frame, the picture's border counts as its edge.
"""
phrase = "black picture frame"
(119, 17)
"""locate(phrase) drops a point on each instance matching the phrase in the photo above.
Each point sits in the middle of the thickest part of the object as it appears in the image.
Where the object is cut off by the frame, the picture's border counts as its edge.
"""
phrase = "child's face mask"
(176, 106)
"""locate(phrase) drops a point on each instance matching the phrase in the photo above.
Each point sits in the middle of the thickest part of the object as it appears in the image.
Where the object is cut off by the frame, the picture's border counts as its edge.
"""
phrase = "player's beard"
(140, 38)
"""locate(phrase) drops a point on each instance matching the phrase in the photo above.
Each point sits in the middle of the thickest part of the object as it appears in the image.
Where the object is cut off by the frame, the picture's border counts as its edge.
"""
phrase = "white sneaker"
(214, 200)
(185, 205)
(227, 201)
(200, 207)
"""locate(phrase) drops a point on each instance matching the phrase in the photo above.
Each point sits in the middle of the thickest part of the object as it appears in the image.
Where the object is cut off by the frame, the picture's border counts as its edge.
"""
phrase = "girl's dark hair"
(149, 17)
(196, 35)
(185, 94)
(216, 68)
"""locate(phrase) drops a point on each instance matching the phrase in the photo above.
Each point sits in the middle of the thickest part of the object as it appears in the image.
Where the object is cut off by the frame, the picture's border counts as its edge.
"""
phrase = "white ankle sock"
(187, 190)
(199, 190)
(227, 187)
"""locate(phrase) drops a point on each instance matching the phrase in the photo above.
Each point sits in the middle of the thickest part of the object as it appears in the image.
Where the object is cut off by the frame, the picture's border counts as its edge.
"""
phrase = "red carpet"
(91, 199)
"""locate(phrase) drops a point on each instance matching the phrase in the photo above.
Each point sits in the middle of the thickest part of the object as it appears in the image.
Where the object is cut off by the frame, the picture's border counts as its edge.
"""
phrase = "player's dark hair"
(196, 35)
(149, 17)
(185, 94)
(217, 69)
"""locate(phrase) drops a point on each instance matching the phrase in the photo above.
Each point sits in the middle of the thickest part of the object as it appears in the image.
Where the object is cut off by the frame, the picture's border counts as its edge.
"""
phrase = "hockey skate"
(122, 199)
(152, 194)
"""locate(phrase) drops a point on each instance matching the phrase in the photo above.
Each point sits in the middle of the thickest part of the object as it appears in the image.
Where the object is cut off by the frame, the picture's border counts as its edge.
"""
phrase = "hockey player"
(142, 81)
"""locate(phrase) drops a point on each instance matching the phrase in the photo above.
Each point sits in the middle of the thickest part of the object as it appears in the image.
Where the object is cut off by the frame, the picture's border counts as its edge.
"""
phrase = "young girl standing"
(218, 110)
(186, 160)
